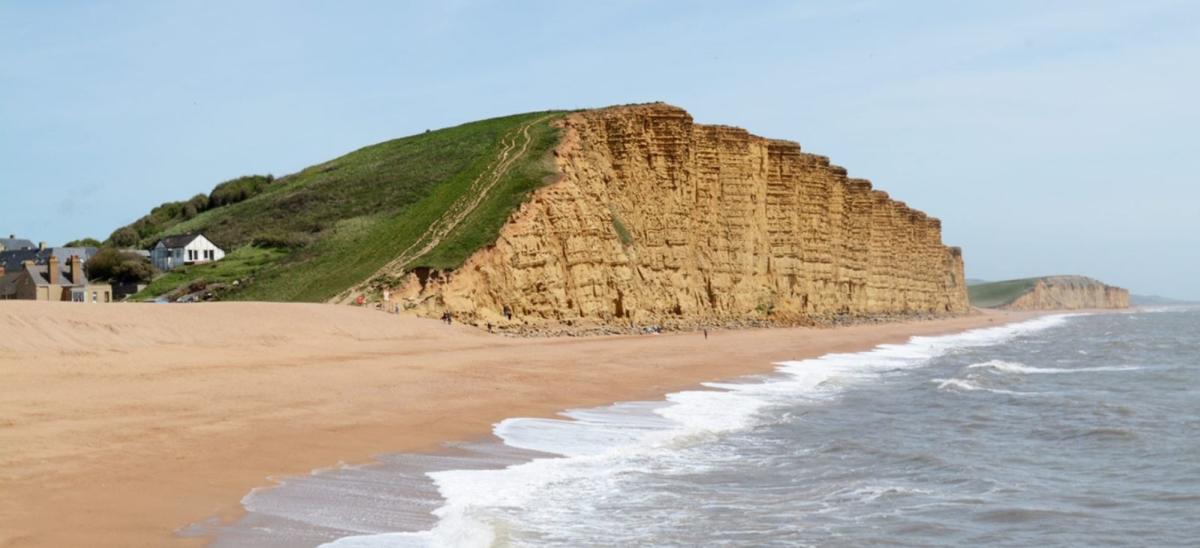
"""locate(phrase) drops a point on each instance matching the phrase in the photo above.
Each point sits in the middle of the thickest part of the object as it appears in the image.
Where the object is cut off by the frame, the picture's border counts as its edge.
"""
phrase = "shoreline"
(129, 423)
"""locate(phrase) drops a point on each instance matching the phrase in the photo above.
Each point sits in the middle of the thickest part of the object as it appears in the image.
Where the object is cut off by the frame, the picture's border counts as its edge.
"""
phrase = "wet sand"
(121, 424)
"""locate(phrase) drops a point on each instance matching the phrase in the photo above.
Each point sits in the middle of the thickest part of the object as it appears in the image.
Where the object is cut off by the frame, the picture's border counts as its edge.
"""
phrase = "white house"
(174, 251)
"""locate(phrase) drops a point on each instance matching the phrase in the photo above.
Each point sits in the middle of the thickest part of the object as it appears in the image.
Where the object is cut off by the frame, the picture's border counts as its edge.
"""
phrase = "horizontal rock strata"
(659, 221)
(1070, 293)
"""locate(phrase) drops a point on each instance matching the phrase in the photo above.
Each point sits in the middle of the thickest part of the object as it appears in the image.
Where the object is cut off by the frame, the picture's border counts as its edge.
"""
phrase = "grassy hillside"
(313, 234)
(993, 294)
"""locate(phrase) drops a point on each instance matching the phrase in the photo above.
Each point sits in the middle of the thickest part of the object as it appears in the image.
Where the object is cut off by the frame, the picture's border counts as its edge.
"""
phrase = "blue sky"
(1049, 137)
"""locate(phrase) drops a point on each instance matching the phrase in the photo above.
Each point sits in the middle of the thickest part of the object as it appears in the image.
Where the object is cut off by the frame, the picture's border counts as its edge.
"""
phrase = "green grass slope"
(993, 294)
(312, 235)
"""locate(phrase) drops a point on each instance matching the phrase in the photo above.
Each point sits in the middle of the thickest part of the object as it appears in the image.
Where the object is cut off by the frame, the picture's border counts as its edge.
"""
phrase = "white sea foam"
(1016, 367)
(968, 386)
(596, 445)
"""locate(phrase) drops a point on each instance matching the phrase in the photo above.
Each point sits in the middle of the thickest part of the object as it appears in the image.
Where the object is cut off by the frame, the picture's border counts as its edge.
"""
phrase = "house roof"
(12, 260)
(16, 244)
(182, 240)
(39, 272)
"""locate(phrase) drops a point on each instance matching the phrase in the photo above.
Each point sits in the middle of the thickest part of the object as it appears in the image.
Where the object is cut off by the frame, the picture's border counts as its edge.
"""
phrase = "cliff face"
(1070, 293)
(656, 220)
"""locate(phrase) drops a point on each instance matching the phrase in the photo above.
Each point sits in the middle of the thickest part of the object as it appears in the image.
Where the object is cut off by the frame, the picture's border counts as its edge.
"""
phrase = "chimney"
(41, 246)
(52, 270)
(76, 270)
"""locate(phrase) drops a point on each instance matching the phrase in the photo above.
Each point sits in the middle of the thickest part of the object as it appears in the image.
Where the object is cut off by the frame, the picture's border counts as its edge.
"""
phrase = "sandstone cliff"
(655, 220)
(1070, 293)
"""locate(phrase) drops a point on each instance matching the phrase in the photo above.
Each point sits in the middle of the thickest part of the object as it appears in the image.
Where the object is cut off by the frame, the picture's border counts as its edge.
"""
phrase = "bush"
(195, 206)
(83, 242)
(622, 232)
(119, 266)
(281, 240)
(125, 236)
(240, 189)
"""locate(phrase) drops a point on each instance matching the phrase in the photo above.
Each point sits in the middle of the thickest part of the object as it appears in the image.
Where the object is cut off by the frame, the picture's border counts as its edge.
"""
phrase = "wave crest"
(1020, 368)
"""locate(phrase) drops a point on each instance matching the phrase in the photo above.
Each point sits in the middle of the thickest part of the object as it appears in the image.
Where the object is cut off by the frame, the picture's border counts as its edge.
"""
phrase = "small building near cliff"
(52, 281)
(174, 251)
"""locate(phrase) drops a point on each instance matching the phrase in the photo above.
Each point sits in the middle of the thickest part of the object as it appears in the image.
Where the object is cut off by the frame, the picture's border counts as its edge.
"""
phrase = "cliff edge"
(1049, 293)
(655, 220)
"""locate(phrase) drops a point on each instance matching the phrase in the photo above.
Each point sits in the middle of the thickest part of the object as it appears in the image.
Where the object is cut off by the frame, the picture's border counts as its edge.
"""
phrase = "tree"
(119, 266)
(125, 236)
(83, 242)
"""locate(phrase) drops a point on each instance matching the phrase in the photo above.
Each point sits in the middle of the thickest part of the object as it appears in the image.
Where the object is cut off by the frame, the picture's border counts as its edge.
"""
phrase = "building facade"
(53, 282)
(175, 251)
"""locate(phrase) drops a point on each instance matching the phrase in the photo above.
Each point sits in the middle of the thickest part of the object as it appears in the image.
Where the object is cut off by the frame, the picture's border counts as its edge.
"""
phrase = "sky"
(1050, 137)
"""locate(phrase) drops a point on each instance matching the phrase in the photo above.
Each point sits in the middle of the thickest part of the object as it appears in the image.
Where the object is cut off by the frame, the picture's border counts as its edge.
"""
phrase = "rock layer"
(656, 220)
(1070, 293)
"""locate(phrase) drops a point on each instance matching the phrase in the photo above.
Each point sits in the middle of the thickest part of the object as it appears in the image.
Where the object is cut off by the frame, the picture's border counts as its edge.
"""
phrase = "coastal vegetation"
(84, 242)
(993, 294)
(1048, 293)
(311, 235)
(225, 276)
(119, 266)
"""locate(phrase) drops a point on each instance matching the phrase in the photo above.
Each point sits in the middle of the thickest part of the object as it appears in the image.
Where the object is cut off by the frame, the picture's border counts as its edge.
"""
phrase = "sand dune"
(120, 424)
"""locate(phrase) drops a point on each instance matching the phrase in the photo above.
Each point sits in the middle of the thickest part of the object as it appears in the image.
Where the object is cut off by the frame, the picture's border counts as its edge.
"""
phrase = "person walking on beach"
(507, 313)
(706, 333)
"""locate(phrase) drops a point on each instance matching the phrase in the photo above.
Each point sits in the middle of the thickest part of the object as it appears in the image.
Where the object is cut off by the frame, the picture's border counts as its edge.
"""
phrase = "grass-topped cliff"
(654, 220)
(429, 200)
(996, 294)
(1048, 293)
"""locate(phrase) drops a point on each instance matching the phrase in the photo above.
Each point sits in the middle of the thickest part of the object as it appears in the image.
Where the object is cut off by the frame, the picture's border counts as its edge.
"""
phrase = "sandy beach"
(121, 424)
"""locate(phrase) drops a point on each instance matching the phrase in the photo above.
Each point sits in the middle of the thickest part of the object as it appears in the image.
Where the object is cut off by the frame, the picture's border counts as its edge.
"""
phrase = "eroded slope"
(657, 220)
(1050, 293)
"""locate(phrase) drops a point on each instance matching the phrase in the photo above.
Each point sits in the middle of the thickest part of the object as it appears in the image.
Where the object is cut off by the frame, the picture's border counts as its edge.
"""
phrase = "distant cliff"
(1049, 293)
(656, 220)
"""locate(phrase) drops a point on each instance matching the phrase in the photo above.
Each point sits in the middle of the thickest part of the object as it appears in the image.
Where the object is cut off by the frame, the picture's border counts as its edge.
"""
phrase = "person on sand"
(507, 313)
(706, 333)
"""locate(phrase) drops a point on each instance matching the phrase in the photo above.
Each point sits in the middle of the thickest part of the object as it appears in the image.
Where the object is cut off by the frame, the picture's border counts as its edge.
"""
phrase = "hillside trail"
(459, 210)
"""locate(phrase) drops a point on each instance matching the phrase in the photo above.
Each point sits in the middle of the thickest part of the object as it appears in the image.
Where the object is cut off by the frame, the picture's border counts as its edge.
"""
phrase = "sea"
(1064, 430)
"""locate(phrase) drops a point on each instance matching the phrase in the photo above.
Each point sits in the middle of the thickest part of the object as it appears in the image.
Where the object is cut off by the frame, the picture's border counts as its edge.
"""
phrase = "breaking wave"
(595, 445)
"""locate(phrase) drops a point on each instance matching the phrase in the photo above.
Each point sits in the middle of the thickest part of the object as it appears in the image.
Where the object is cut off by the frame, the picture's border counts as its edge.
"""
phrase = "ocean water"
(1069, 430)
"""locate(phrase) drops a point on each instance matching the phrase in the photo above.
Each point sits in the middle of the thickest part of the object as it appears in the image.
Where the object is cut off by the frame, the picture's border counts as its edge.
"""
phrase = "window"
(94, 297)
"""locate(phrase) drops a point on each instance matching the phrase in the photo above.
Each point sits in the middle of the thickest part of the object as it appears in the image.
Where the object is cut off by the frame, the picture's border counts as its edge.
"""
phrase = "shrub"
(119, 266)
(240, 189)
(125, 236)
(281, 240)
(622, 232)
(83, 242)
